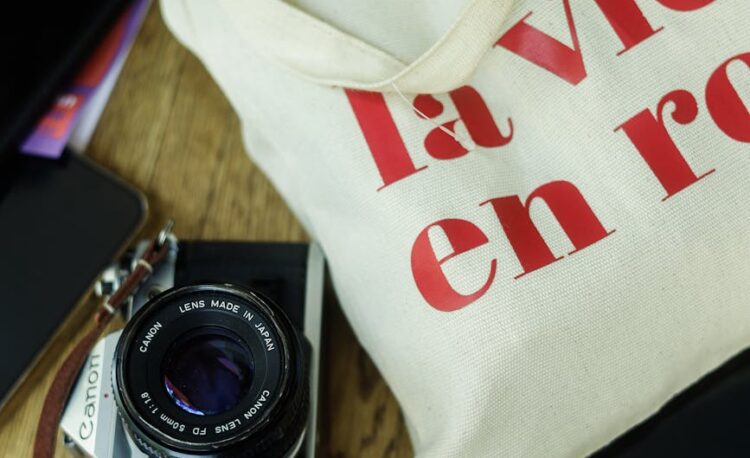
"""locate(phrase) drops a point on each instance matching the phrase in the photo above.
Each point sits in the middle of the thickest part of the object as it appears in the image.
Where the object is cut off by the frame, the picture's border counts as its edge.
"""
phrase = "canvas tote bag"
(535, 212)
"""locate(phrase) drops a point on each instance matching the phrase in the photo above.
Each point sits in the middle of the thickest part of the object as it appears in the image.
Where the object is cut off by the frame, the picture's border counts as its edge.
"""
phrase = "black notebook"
(42, 46)
(60, 222)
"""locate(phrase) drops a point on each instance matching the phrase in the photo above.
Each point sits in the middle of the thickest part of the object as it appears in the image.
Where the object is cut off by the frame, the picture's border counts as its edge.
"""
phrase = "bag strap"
(326, 55)
(57, 396)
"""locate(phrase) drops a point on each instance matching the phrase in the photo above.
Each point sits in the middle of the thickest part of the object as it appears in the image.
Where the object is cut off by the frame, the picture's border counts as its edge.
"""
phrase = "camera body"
(220, 357)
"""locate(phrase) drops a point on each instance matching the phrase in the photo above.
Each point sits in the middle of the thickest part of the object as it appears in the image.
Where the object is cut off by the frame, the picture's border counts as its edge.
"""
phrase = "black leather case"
(277, 270)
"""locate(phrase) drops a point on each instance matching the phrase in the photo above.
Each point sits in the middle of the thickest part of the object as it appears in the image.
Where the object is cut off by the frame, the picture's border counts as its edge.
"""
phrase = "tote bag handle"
(326, 55)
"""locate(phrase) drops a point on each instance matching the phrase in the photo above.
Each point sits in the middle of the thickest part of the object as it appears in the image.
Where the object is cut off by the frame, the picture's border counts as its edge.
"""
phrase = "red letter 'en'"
(570, 208)
(428, 274)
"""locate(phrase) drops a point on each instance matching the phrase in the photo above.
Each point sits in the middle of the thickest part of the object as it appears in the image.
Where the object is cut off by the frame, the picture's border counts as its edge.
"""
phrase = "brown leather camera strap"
(57, 396)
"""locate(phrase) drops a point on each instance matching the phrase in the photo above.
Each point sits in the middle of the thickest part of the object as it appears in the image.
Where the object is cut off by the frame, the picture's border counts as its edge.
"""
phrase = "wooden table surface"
(169, 131)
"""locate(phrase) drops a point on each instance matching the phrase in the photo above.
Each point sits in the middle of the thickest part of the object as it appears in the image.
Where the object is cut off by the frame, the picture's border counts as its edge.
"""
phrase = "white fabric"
(383, 24)
(563, 359)
(328, 56)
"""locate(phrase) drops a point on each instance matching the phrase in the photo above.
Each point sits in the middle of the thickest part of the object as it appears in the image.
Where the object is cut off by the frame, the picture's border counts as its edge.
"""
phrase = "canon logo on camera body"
(93, 376)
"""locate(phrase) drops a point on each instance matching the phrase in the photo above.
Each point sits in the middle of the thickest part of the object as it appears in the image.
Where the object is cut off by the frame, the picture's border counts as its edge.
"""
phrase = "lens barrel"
(212, 370)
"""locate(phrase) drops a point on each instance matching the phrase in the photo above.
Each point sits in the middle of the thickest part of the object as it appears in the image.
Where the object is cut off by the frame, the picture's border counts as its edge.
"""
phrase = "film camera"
(219, 357)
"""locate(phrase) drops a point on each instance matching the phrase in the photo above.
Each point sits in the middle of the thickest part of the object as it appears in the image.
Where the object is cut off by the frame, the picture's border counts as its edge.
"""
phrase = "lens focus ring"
(212, 370)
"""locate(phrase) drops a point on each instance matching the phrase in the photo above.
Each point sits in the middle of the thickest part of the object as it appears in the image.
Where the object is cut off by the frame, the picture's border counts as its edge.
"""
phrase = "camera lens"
(213, 371)
(208, 373)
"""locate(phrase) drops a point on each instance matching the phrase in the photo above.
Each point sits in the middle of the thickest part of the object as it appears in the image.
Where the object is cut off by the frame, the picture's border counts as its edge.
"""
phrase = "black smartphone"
(61, 223)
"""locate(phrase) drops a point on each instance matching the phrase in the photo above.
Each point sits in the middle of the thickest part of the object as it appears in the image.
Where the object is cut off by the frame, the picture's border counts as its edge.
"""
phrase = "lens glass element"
(208, 373)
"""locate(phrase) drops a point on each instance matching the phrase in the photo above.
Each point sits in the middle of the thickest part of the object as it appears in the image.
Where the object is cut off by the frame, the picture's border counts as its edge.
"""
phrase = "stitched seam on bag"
(306, 21)
(439, 44)
(299, 17)
(362, 47)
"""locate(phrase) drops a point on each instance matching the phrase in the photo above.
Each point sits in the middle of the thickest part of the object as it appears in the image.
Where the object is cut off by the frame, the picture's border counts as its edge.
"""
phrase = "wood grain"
(169, 131)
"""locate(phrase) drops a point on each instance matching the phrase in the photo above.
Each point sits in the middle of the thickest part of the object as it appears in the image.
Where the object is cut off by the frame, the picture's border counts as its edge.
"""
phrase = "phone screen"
(61, 223)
